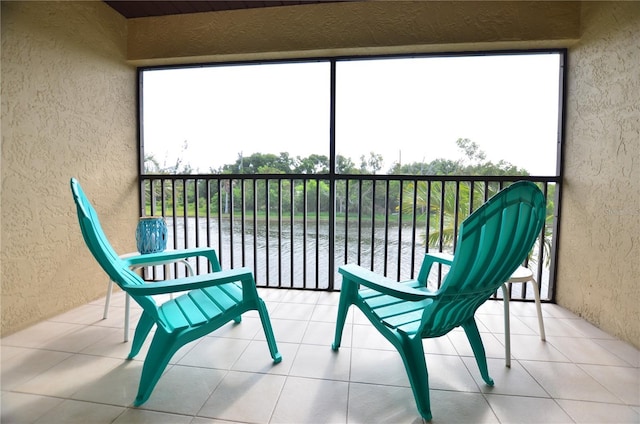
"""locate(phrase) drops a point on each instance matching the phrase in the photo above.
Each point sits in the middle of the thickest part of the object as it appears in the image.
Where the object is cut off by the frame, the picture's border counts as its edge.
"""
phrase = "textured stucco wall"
(68, 109)
(599, 274)
(352, 28)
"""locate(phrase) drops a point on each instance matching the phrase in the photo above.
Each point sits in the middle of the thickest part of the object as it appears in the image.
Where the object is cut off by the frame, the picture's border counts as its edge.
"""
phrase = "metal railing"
(295, 230)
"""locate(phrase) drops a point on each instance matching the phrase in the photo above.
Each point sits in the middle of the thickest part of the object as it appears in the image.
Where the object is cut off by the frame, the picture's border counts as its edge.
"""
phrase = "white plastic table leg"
(536, 294)
(507, 326)
(188, 266)
(521, 275)
(108, 300)
(127, 301)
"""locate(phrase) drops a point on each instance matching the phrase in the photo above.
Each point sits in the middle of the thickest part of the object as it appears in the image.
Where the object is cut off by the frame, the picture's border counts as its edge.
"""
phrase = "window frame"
(333, 61)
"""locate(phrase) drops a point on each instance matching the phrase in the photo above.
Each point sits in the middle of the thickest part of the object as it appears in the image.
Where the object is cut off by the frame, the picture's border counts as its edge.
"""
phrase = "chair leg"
(346, 299)
(342, 316)
(142, 330)
(268, 331)
(507, 326)
(161, 350)
(471, 329)
(412, 354)
(536, 294)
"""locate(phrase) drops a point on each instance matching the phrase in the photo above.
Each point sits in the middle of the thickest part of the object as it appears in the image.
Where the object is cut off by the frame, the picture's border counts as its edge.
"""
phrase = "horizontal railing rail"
(279, 224)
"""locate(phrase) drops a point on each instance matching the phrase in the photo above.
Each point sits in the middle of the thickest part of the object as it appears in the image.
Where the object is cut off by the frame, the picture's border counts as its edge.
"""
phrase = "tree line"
(471, 162)
(443, 203)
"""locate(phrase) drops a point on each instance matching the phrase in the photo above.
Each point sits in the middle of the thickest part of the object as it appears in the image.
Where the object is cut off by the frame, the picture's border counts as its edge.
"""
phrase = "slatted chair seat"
(199, 307)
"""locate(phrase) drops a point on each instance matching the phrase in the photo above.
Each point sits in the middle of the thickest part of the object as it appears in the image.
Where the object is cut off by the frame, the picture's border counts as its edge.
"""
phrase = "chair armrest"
(159, 258)
(363, 276)
(428, 261)
(441, 257)
(201, 281)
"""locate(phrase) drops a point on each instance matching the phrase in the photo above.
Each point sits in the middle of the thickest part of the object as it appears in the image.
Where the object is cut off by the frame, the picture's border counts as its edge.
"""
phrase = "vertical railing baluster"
(401, 187)
(385, 243)
(243, 229)
(267, 207)
(442, 210)
(346, 222)
(472, 189)
(231, 212)
(456, 214)
(197, 210)
(428, 212)
(208, 215)
(163, 188)
(305, 214)
(219, 211)
(441, 227)
(373, 221)
(317, 277)
(152, 199)
(414, 226)
(185, 221)
(279, 233)
(174, 214)
(185, 208)
(292, 209)
(486, 191)
(256, 270)
(359, 222)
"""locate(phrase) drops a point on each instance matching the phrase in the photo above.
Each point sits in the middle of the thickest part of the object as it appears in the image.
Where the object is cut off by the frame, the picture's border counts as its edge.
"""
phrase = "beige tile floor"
(71, 369)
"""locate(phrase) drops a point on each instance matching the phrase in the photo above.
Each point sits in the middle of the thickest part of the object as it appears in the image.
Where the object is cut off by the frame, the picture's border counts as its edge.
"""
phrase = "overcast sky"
(408, 110)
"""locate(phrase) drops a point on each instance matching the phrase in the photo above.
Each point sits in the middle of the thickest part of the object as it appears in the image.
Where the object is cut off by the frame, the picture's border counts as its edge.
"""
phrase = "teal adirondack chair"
(493, 241)
(211, 300)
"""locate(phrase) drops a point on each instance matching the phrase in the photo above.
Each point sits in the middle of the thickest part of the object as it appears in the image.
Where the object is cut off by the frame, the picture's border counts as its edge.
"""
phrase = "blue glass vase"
(151, 234)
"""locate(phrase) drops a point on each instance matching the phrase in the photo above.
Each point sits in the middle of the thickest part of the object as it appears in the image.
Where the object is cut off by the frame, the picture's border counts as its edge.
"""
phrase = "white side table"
(166, 264)
(520, 275)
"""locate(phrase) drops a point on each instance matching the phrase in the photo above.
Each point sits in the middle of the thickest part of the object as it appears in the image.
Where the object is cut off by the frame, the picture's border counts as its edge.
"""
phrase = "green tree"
(443, 197)
(260, 163)
(371, 164)
(313, 164)
(152, 164)
(471, 150)
(345, 165)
